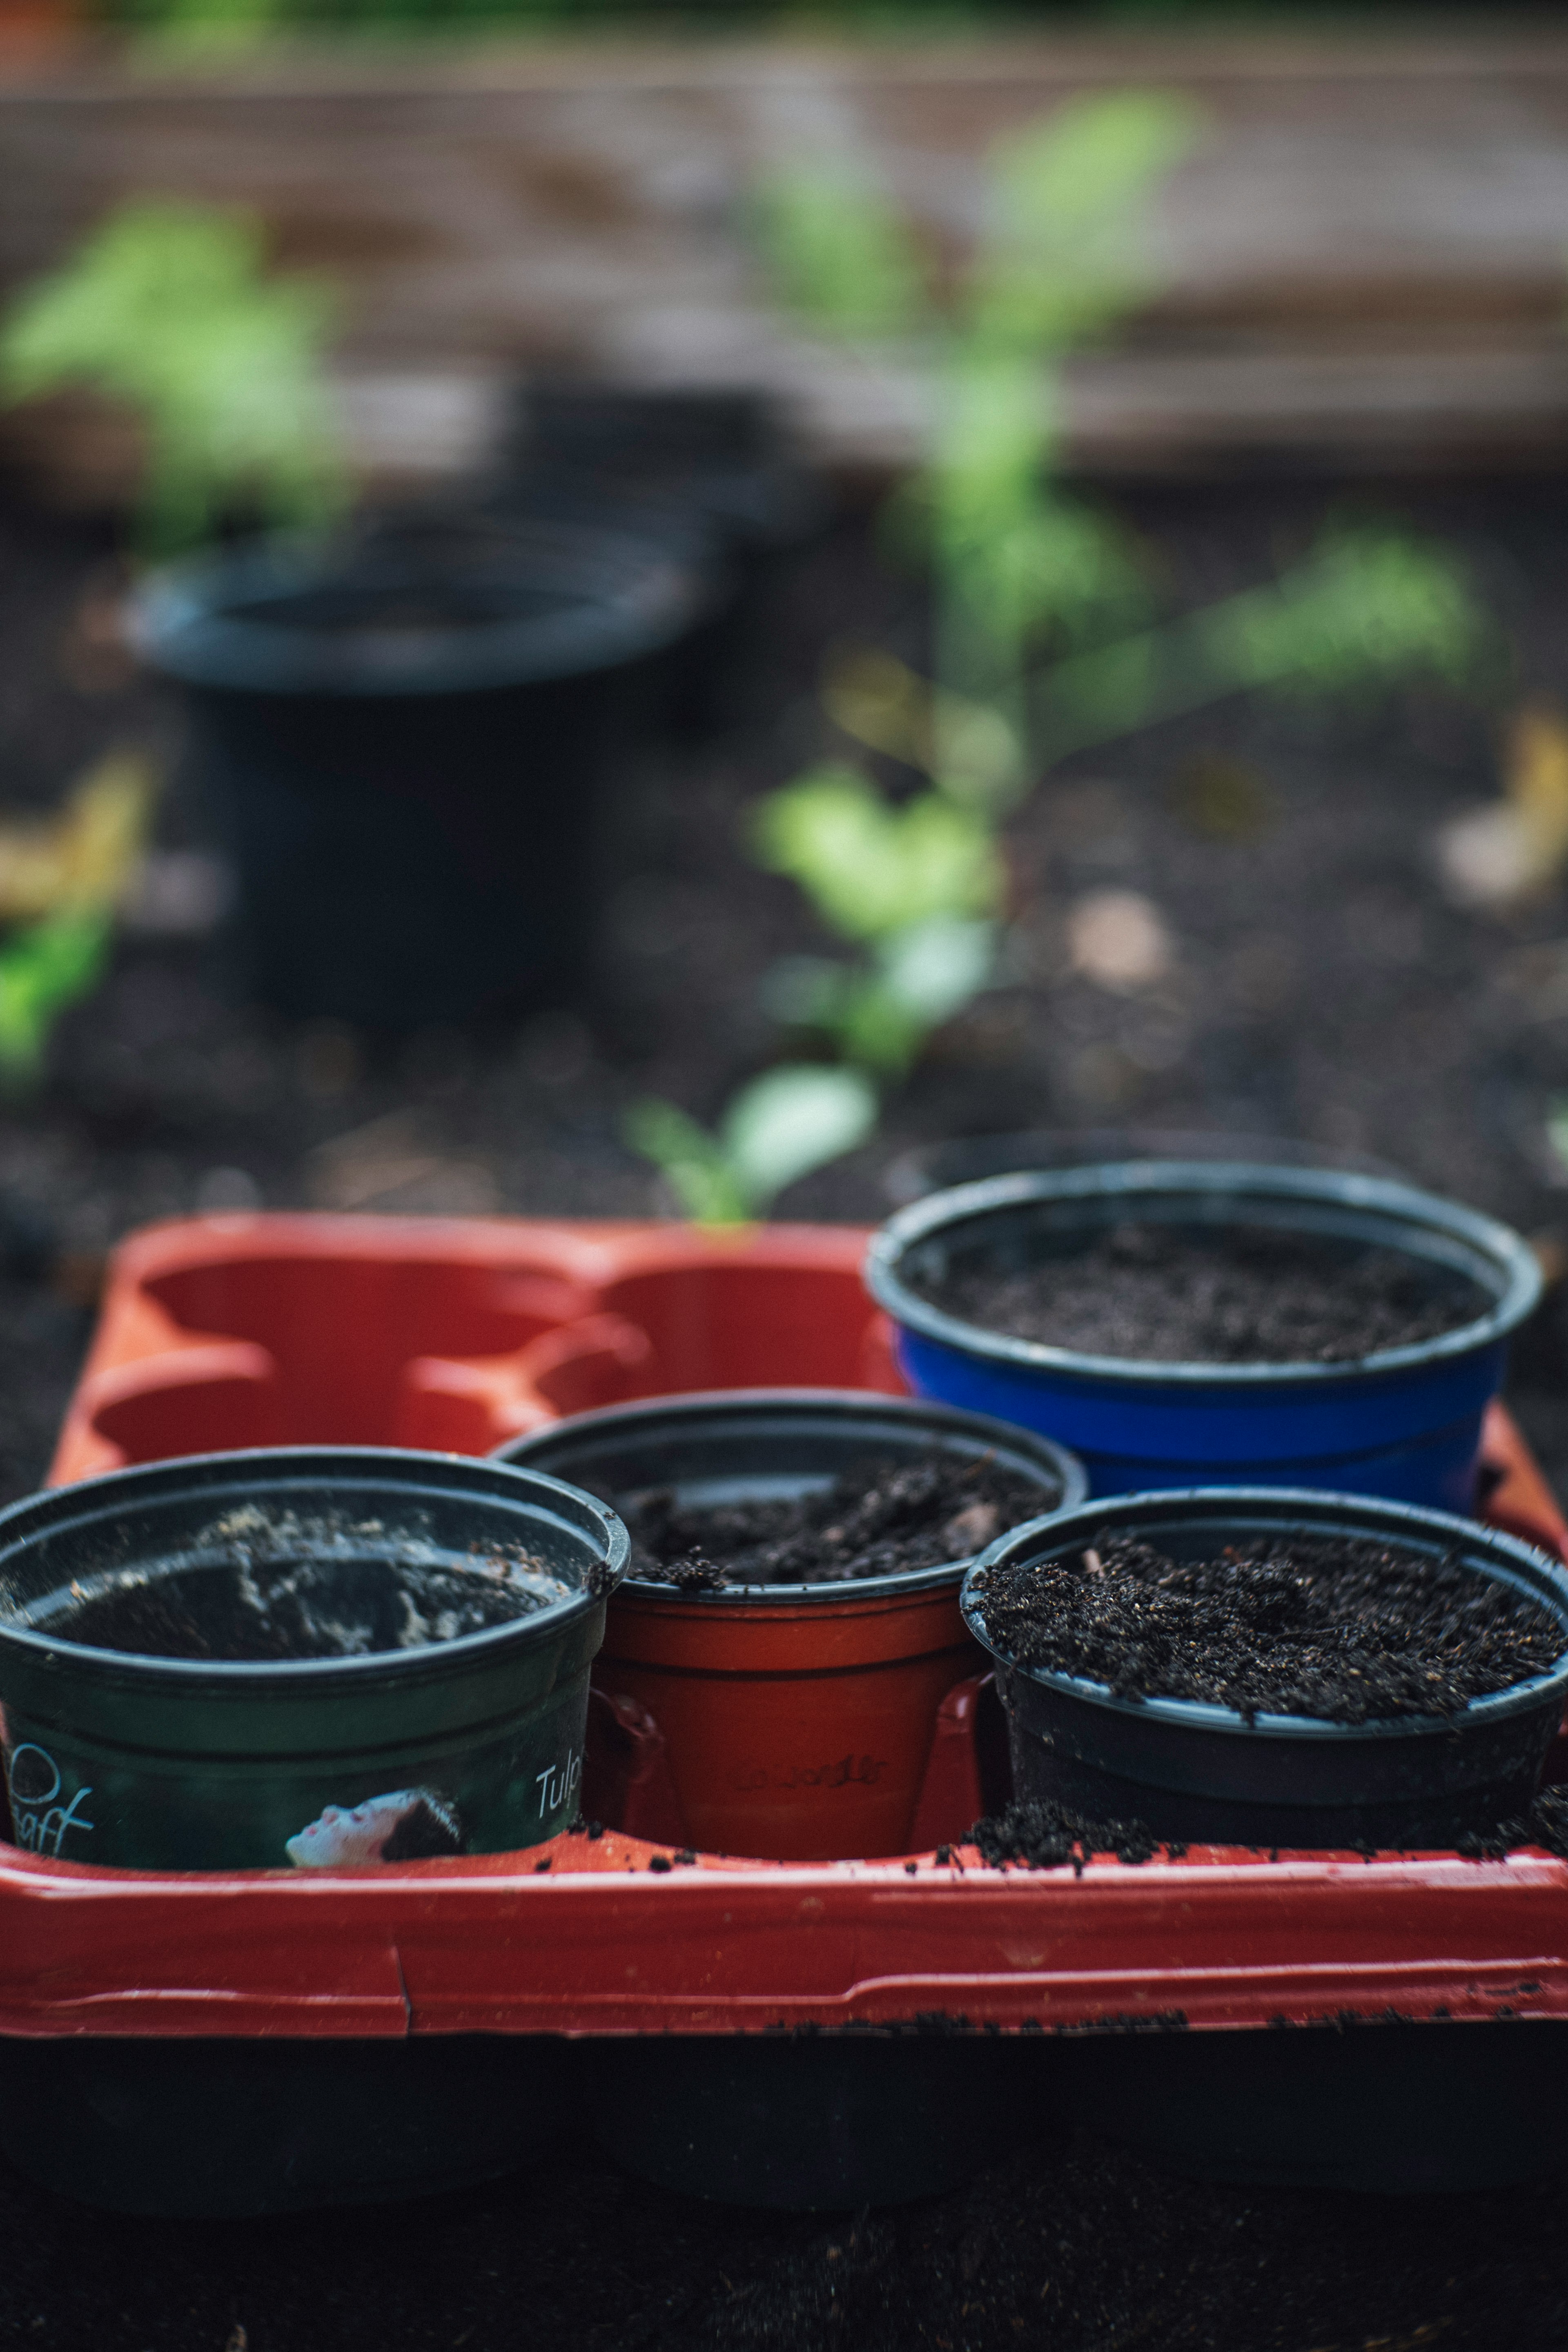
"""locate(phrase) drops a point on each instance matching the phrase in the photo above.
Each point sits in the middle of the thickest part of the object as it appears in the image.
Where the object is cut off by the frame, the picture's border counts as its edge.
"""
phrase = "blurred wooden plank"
(1363, 266)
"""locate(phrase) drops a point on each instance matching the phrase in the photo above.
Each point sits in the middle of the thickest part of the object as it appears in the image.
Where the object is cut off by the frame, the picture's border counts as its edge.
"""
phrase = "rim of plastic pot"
(1021, 1449)
(275, 1468)
(1470, 1237)
(1534, 1572)
(929, 1168)
(600, 598)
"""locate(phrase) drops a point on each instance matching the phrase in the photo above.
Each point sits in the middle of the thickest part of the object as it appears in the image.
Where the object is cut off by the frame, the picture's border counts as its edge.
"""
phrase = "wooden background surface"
(1365, 266)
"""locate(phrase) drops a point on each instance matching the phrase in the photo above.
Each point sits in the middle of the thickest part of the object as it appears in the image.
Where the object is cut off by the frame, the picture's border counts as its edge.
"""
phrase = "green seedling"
(44, 968)
(168, 308)
(782, 1125)
(1045, 635)
(61, 879)
(1044, 639)
(1365, 609)
(918, 887)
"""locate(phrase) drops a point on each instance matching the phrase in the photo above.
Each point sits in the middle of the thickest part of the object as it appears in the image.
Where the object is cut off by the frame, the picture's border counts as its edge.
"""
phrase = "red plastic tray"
(449, 1333)
(223, 1331)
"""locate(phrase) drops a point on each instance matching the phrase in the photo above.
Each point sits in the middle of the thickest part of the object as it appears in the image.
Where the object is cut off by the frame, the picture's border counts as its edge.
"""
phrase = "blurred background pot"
(1203, 1773)
(798, 1718)
(1404, 1423)
(196, 2128)
(405, 735)
(710, 472)
(827, 2122)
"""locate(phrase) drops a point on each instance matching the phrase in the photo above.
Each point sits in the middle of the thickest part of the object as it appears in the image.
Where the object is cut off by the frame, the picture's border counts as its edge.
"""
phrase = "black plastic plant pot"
(380, 1729)
(202, 2128)
(798, 1718)
(826, 2122)
(1205, 1774)
(1403, 1422)
(405, 736)
(712, 464)
(719, 454)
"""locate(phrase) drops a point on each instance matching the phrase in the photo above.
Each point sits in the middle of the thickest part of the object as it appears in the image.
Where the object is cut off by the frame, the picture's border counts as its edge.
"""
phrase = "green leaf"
(780, 1126)
(870, 868)
(167, 309)
(934, 969)
(880, 1014)
(691, 1161)
(791, 1120)
(844, 259)
(1065, 254)
(1366, 604)
(1363, 610)
(44, 968)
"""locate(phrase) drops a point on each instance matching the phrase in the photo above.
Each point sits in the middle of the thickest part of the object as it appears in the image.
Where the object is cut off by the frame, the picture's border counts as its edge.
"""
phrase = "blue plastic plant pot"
(1404, 1423)
(1204, 1773)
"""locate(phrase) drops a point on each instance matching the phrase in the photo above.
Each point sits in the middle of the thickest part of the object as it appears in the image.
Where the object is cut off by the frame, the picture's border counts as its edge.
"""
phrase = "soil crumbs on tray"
(1152, 1293)
(1043, 1835)
(1338, 1628)
(880, 1519)
(313, 1608)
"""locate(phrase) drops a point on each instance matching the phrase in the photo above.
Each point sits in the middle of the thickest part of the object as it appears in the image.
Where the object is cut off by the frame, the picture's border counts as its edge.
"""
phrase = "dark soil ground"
(1068, 2248)
(881, 1519)
(1260, 1297)
(1318, 984)
(1335, 1627)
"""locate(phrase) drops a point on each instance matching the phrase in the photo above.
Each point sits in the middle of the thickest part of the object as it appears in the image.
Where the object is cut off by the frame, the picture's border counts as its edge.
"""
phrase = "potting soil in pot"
(1251, 1294)
(878, 1518)
(334, 1607)
(1340, 1629)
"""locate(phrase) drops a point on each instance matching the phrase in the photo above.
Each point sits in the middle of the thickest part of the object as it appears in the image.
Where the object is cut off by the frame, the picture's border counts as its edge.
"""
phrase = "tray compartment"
(450, 1335)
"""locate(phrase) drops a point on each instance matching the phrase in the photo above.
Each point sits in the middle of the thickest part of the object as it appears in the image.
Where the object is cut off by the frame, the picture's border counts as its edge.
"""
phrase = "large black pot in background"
(405, 734)
(721, 456)
(705, 470)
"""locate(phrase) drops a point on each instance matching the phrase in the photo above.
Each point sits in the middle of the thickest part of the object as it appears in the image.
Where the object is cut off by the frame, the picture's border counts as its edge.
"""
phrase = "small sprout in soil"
(779, 1127)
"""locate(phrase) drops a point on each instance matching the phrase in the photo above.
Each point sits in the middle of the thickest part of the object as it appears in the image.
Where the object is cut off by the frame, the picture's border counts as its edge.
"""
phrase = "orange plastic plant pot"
(797, 1731)
(797, 1720)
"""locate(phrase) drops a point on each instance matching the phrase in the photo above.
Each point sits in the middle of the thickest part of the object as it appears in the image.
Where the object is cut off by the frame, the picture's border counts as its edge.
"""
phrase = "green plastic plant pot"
(472, 1744)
